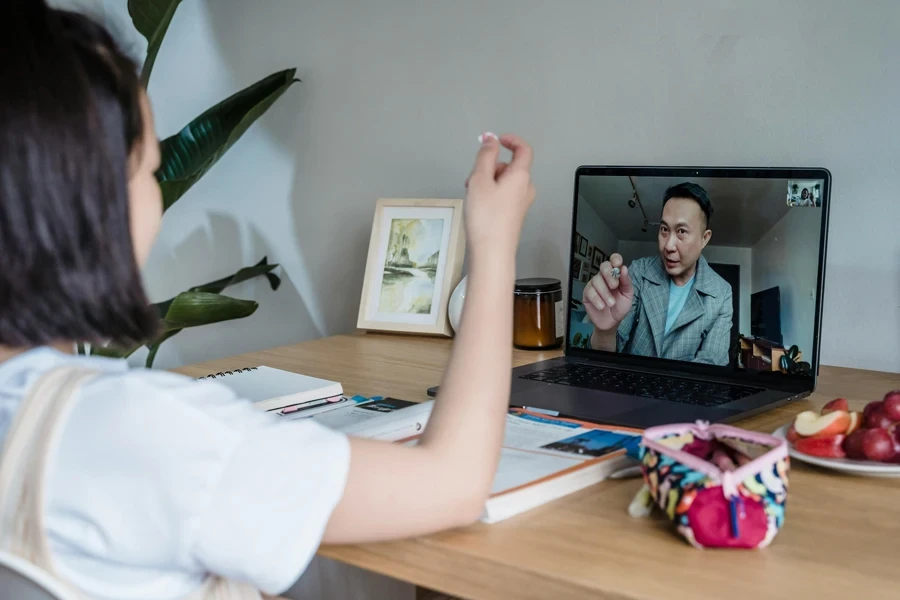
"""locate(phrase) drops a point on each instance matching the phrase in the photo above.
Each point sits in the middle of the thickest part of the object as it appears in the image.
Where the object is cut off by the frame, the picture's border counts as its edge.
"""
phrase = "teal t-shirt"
(678, 295)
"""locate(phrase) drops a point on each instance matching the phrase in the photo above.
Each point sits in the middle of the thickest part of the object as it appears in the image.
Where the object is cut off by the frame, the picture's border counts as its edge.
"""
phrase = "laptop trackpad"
(581, 403)
(663, 413)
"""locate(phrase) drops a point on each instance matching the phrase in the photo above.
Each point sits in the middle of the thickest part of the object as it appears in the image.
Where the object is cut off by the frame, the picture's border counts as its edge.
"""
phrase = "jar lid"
(538, 284)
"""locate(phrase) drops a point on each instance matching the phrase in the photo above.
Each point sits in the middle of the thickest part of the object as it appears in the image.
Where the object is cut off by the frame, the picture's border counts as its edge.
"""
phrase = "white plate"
(867, 468)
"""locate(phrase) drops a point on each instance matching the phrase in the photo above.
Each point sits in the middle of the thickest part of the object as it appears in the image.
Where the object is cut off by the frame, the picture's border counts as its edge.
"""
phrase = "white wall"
(632, 250)
(728, 255)
(786, 257)
(395, 92)
(91, 7)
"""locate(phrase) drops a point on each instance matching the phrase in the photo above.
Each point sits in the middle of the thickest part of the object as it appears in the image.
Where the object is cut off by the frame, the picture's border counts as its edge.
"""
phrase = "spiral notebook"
(273, 389)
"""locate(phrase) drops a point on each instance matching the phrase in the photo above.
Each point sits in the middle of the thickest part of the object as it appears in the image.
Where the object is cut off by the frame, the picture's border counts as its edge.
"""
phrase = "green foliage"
(190, 153)
(186, 157)
(151, 18)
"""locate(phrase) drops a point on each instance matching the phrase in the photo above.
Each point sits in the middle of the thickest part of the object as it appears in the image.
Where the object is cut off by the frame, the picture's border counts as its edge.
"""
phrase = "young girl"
(157, 482)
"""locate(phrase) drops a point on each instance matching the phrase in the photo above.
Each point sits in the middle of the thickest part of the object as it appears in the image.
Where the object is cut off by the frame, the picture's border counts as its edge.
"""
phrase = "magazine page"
(381, 419)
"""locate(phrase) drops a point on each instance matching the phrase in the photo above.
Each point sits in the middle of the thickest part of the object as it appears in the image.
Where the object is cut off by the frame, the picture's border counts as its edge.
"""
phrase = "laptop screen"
(711, 270)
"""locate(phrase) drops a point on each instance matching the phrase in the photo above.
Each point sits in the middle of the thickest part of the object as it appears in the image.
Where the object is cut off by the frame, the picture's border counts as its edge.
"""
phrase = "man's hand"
(607, 299)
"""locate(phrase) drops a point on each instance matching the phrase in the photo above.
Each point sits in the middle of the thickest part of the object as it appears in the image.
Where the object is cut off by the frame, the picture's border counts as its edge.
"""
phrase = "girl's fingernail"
(485, 136)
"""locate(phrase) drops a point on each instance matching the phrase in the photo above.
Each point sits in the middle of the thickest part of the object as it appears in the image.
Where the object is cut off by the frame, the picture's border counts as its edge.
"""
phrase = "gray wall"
(394, 93)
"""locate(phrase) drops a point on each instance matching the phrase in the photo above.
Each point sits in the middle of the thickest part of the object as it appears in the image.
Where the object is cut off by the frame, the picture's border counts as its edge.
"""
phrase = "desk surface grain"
(841, 536)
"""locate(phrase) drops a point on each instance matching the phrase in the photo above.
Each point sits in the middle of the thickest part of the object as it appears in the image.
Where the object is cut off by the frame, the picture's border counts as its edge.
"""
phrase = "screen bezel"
(780, 381)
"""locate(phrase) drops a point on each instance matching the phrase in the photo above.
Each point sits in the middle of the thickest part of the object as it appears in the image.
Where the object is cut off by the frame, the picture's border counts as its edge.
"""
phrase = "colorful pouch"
(722, 486)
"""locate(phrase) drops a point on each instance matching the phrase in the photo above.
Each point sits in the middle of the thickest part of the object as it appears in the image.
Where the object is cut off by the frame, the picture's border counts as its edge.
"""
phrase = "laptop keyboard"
(673, 389)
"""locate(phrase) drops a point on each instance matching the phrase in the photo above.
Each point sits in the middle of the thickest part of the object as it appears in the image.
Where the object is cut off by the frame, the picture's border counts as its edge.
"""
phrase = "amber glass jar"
(538, 314)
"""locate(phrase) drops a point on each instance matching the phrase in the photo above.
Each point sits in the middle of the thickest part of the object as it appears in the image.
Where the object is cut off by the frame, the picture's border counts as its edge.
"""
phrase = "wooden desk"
(841, 537)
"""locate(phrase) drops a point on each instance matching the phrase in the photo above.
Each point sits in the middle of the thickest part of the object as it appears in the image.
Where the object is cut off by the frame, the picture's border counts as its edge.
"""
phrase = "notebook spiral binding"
(226, 373)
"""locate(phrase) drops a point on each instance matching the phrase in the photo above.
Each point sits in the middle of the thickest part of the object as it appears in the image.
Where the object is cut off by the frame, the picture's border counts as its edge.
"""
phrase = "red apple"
(855, 422)
(853, 445)
(809, 424)
(894, 430)
(879, 419)
(837, 404)
(892, 405)
(792, 435)
(878, 445)
(869, 409)
(827, 447)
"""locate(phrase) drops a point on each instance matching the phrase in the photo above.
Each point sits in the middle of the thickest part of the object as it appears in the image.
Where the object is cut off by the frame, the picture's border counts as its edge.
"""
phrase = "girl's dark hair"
(70, 120)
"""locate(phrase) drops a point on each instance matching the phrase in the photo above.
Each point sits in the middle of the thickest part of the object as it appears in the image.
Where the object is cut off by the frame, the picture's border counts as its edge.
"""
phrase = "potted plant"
(186, 157)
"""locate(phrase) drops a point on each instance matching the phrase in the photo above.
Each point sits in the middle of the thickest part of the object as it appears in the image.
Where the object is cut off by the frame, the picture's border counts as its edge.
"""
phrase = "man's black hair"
(694, 192)
(70, 117)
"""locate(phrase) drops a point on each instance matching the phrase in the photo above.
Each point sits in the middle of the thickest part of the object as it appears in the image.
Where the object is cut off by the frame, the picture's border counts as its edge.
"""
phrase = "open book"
(543, 458)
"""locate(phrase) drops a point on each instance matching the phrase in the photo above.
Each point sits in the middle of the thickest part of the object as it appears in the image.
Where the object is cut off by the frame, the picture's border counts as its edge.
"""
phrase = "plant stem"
(151, 356)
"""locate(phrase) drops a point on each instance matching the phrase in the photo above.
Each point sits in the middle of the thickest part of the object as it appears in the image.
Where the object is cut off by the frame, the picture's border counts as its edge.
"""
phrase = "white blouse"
(161, 478)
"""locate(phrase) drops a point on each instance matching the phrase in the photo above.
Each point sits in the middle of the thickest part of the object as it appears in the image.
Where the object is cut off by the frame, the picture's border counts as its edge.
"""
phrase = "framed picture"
(577, 244)
(583, 247)
(415, 259)
(598, 258)
(586, 271)
(576, 269)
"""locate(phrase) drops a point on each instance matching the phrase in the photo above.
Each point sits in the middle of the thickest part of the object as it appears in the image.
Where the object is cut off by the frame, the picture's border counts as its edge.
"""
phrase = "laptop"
(718, 295)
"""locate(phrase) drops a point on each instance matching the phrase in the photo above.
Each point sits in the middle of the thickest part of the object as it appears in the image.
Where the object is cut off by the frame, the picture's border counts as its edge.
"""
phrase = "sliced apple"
(831, 446)
(855, 422)
(836, 404)
(809, 424)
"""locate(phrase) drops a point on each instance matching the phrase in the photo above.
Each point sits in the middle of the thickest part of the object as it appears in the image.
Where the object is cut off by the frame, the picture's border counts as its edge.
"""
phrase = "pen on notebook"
(287, 410)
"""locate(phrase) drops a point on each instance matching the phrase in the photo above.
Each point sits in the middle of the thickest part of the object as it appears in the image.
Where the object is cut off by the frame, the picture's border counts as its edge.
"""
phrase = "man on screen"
(672, 305)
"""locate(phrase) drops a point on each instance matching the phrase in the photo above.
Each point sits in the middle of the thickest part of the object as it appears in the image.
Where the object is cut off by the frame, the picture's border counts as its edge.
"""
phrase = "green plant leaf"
(261, 268)
(152, 18)
(187, 309)
(190, 153)
(192, 309)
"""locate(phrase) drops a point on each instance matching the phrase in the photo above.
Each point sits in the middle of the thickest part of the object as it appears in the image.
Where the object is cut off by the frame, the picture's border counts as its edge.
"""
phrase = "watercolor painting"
(410, 266)
(415, 260)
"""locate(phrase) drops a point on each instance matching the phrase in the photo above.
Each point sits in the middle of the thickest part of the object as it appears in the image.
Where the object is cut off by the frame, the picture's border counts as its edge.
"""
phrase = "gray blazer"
(702, 331)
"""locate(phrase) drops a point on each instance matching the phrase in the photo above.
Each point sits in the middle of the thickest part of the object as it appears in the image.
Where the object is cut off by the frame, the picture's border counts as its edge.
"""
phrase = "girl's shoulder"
(119, 390)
